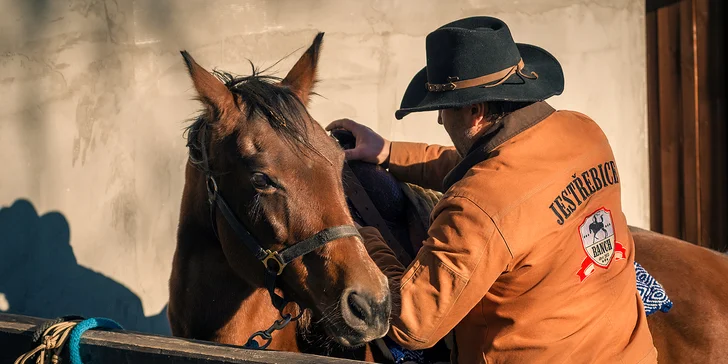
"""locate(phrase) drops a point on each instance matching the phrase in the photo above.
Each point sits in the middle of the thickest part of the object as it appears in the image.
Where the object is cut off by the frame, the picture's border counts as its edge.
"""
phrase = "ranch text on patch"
(581, 187)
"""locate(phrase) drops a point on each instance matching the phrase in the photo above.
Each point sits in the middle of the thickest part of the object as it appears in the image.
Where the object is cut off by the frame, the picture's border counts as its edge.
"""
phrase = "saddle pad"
(653, 295)
(404, 356)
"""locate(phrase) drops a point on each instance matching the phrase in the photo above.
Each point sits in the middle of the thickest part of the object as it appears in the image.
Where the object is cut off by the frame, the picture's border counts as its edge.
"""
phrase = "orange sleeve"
(462, 257)
(422, 164)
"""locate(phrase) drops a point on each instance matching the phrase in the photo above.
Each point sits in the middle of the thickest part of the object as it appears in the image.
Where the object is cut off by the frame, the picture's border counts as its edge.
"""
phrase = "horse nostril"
(359, 307)
(365, 318)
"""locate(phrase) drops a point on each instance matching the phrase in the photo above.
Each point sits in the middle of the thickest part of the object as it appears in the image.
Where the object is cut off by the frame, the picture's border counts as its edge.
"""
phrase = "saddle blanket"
(653, 297)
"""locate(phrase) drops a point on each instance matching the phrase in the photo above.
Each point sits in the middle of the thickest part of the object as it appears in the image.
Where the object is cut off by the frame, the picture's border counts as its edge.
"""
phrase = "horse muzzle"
(364, 318)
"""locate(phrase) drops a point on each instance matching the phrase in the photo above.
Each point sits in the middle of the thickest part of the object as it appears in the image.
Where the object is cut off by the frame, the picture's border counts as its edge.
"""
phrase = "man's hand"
(357, 226)
(370, 146)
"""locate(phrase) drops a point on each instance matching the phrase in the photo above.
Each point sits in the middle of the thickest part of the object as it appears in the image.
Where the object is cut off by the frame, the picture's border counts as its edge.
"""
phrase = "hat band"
(485, 81)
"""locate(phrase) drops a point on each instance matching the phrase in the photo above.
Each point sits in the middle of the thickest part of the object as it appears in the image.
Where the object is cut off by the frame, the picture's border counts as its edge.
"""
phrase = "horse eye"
(261, 182)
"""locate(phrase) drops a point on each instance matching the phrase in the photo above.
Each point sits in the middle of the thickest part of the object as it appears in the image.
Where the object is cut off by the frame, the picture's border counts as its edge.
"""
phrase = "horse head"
(258, 149)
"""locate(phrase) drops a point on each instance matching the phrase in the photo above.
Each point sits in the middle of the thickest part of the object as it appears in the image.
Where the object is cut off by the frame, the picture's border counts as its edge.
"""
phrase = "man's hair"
(497, 110)
(500, 109)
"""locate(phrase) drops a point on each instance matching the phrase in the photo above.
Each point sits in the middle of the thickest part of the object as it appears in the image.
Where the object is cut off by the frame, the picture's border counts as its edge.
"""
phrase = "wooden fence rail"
(112, 347)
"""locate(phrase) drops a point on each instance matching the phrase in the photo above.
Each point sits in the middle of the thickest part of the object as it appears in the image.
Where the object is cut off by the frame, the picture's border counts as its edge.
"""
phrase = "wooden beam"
(668, 43)
(710, 29)
(653, 123)
(138, 348)
(690, 186)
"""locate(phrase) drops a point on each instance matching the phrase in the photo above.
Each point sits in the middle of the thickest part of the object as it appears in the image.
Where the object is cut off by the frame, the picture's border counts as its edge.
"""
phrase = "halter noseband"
(265, 256)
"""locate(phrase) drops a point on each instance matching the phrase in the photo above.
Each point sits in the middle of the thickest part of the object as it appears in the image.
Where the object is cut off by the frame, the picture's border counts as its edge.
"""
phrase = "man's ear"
(477, 113)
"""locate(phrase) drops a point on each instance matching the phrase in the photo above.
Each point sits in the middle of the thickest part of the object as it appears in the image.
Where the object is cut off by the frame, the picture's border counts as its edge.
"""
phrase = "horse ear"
(302, 76)
(212, 92)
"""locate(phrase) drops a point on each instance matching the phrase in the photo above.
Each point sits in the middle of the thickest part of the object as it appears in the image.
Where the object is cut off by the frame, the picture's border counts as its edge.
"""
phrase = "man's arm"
(462, 257)
(422, 164)
(417, 163)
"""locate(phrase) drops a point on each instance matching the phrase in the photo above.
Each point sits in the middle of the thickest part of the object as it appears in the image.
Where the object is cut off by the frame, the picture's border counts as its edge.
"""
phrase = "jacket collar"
(505, 129)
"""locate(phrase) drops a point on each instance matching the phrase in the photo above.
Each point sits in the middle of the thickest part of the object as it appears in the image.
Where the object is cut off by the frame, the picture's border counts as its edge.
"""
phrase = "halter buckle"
(277, 258)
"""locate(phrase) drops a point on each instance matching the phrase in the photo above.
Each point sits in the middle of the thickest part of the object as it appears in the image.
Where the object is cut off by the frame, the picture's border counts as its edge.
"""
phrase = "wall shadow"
(40, 277)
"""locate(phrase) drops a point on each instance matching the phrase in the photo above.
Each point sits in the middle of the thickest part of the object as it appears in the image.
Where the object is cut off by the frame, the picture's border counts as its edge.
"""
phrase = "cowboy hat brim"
(550, 82)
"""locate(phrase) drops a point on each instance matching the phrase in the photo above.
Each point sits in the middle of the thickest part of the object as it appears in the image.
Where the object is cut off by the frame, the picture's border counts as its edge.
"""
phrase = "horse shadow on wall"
(39, 274)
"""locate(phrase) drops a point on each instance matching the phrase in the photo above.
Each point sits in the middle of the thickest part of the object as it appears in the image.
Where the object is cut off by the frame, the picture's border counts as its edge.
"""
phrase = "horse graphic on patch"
(600, 245)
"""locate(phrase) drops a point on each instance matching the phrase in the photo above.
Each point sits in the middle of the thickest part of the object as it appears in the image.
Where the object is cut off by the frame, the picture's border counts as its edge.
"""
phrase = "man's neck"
(473, 136)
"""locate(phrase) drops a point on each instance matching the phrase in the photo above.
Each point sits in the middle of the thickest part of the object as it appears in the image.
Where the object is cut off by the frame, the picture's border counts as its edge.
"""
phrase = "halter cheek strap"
(275, 261)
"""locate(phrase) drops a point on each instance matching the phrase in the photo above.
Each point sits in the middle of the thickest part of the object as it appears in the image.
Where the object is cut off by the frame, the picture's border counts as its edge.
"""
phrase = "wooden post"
(670, 110)
(653, 122)
(690, 137)
(710, 30)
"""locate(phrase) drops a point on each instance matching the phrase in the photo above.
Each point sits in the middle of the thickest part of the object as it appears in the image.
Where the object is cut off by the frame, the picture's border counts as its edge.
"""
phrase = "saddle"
(404, 210)
(403, 207)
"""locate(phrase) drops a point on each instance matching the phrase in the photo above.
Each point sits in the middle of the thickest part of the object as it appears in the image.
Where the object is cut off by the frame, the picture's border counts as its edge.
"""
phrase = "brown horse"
(696, 328)
(693, 331)
(264, 222)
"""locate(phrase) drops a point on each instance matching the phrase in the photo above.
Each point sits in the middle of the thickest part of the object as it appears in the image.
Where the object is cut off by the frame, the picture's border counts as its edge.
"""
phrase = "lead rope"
(52, 342)
(53, 339)
(267, 335)
(280, 304)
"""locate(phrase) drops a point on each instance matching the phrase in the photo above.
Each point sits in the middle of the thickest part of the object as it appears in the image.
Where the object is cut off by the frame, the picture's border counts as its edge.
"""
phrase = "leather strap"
(283, 257)
(324, 236)
(368, 211)
(500, 76)
(269, 281)
(242, 233)
(286, 255)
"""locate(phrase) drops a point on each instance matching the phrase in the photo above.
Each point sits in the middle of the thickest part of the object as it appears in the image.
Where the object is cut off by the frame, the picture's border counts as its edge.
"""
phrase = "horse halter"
(273, 261)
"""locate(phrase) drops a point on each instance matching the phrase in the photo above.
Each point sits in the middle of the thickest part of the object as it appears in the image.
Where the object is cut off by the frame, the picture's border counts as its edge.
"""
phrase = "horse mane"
(262, 97)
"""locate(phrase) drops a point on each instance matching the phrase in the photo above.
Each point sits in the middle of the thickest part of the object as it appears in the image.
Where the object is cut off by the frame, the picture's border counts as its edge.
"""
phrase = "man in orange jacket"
(529, 258)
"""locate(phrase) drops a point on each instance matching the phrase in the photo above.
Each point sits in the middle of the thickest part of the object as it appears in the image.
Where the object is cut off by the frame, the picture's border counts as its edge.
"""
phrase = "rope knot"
(50, 342)
(54, 335)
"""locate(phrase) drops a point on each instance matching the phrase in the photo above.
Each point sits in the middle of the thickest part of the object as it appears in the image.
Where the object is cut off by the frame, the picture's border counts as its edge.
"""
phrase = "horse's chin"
(350, 341)
(346, 344)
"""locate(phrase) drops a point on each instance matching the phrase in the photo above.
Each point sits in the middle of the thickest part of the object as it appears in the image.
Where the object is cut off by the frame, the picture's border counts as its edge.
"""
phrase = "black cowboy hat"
(475, 60)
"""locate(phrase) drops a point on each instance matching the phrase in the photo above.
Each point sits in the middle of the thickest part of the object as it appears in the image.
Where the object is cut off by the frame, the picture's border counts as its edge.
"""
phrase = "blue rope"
(74, 341)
